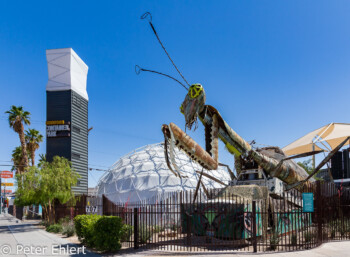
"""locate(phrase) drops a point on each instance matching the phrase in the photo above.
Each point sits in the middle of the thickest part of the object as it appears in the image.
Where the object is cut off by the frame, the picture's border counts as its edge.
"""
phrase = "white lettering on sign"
(57, 127)
(51, 133)
(58, 130)
(91, 209)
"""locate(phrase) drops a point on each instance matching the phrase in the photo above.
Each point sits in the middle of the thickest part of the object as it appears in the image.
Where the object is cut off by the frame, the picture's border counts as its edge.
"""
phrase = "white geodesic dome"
(144, 174)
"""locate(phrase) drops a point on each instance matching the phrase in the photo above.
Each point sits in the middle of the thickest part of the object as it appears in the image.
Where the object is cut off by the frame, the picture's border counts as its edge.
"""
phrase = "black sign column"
(67, 111)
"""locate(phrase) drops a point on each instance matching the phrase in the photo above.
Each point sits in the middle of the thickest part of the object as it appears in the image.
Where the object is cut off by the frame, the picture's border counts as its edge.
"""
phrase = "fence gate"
(183, 222)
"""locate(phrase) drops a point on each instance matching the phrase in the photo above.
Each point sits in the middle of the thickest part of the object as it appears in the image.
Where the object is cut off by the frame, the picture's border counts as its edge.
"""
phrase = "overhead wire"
(97, 169)
(92, 176)
(115, 132)
(98, 165)
(89, 168)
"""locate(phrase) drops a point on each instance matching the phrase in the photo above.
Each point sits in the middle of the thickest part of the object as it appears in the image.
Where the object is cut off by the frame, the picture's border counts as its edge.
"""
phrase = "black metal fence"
(83, 204)
(219, 220)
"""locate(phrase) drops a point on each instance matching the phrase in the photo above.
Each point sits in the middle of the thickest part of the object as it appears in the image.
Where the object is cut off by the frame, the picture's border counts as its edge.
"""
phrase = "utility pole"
(5, 196)
(0, 195)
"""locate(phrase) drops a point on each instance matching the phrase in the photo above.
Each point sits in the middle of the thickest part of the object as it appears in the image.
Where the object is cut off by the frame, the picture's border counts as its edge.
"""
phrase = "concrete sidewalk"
(19, 238)
(333, 249)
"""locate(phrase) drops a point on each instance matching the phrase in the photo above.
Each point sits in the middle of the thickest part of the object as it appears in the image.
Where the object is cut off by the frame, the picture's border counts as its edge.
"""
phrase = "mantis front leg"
(207, 159)
(212, 138)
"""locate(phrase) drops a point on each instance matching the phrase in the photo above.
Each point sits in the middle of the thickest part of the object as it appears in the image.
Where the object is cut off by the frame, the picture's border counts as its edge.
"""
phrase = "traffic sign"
(7, 184)
(6, 174)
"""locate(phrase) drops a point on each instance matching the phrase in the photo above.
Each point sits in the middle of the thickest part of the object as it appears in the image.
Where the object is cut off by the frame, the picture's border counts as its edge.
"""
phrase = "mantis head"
(193, 104)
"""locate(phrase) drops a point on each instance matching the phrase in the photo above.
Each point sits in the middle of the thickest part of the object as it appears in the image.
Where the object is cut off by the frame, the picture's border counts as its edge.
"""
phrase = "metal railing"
(217, 220)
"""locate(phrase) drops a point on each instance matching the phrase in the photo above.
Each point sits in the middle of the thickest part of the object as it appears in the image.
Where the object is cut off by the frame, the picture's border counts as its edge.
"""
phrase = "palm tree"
(42, 160)
(17, 160)
(17, 116)
(33, 138)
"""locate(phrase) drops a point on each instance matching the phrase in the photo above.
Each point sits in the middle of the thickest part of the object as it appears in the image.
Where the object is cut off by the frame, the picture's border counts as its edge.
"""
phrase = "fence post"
(254, 227)
(319, 212)
(136, 229)
(188, 228)
(104, 205)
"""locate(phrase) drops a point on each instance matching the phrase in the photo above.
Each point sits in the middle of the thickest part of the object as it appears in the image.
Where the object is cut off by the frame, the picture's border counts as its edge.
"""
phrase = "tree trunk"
(53, 211)
(50, 213)
(24, 147)
(44, 211)
(47, 218)
(32, 153)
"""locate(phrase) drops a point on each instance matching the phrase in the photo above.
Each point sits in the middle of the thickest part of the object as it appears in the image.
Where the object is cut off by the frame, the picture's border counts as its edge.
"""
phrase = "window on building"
(76, 156)
(76, 129)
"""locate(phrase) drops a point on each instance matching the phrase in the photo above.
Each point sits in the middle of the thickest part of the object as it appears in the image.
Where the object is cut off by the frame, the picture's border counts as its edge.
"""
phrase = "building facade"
(67, 112)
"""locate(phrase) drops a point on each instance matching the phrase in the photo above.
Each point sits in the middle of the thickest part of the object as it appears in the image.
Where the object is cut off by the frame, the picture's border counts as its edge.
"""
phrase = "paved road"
(18, 238)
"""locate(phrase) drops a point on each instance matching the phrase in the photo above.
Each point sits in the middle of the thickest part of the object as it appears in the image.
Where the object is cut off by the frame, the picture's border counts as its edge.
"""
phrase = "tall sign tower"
(67, 112)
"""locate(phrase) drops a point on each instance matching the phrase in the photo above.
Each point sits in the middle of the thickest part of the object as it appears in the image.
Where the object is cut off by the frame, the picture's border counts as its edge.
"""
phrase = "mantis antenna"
(148, 15)
(138, 69)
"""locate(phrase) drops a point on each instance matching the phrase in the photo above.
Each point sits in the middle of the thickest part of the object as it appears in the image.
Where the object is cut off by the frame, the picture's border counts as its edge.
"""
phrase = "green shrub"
(325, 235)
(333, 233)
(274, 240)
(294, 239)
(44, 223)
(343, 228)
(68, 230)
(78, 220)
(342, 231)
(55, 228)
(103, 233)
(64, 221)
(174, 227)
(337, 224)
(126, 233)
(308, 236)
(108, 231)
(157, 229)
(84, 228)
(145, 233)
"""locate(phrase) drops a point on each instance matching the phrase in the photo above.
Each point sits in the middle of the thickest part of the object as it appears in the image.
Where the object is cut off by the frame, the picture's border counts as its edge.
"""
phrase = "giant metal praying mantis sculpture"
(273, 161)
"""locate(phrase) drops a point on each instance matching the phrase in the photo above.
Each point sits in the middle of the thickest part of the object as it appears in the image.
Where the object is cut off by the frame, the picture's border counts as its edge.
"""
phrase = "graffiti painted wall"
(291, 221)
(220, 220)
(248, 226)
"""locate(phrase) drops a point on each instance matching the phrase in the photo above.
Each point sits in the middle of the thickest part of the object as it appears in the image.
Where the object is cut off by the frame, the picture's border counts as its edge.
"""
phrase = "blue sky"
(274, 69)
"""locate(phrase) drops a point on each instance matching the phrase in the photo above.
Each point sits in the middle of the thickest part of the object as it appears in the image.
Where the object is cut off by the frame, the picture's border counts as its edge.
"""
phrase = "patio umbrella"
(325, 138)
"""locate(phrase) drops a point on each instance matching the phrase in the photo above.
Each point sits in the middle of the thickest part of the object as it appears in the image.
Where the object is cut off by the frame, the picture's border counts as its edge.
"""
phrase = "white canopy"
(66, 71)
(328, 137)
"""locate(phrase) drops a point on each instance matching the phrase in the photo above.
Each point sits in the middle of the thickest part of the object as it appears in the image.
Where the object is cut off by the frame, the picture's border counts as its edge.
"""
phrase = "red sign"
(7, 191)
(6, 174)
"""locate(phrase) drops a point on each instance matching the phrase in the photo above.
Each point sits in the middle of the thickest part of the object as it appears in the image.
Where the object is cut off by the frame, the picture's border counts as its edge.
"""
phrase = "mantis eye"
(195, 90)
